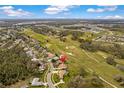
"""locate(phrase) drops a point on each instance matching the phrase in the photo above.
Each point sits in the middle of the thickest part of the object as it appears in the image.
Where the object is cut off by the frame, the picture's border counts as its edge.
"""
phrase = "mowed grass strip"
(41, 38)
(79, 58)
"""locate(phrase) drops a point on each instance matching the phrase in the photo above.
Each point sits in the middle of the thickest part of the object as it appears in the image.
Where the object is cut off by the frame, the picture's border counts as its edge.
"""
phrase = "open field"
(93, 62)
(68, 46)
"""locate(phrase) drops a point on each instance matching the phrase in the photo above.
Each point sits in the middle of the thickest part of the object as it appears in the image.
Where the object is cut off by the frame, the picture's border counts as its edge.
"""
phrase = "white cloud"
(114, 17)
(55, 9)
(99, 10)
(11, 11)
(6, 7)
(111, 8)
(95, 10)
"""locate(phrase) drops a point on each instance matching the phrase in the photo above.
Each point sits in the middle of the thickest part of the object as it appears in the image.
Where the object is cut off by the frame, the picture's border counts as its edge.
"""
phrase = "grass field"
(91, 61)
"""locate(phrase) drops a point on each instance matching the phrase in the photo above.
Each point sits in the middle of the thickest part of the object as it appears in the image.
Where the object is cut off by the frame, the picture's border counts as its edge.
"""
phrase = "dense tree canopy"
(80, 82)
(15, 66)
(114, 49)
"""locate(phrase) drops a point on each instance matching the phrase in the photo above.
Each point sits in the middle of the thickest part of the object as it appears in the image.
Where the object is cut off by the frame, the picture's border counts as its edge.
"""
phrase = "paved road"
(108, 82)
(92, 70)
(49, 76)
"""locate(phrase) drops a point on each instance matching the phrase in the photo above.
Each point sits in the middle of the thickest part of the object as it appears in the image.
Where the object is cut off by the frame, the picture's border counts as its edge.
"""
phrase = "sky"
(61, 12)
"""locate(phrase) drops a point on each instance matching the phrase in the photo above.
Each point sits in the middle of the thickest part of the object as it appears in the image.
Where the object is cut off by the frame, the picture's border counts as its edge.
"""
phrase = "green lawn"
(39, 37)
(79, 58)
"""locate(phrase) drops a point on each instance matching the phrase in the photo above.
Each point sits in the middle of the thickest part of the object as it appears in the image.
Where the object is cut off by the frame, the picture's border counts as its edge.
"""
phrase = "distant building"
(36, 82)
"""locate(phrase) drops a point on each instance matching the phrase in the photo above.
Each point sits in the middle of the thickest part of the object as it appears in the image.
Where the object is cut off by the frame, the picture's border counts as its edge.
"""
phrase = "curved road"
(51, 68)
(49, 76)
(99, 62)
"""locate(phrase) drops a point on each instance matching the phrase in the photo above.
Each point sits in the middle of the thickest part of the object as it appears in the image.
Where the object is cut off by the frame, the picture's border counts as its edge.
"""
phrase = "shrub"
(82, 72)
(96, 82)
(122, 83)
(63, 39)
(120, 67)
(119, 78)
(111, 61)
(80, 82)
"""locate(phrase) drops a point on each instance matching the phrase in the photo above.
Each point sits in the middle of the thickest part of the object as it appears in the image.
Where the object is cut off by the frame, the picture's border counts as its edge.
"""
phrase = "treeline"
(87, 43)
(45, 30)
(114, 49)
(82, 80)
(117, 27)
(15, 66)
(75, 34)
(73, 27)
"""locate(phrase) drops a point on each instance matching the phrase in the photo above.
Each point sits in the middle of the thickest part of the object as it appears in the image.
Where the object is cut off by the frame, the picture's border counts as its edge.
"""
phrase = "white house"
(36, 82)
